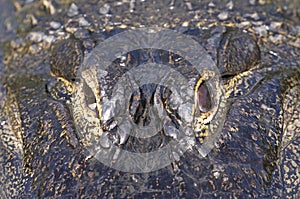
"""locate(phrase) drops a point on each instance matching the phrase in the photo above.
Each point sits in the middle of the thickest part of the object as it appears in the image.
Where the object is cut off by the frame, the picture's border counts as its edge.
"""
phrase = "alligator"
(53, 111)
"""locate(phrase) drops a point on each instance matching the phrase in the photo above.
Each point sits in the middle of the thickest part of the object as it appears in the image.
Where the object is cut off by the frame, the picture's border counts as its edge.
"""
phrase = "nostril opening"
(146, 120)
(136, 107)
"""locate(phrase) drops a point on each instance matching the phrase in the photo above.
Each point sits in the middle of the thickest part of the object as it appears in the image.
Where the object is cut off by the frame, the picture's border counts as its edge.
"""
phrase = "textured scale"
(256, 50)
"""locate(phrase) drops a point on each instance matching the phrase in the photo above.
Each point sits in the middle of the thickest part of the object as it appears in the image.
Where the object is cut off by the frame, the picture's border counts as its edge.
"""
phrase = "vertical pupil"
(204, 101)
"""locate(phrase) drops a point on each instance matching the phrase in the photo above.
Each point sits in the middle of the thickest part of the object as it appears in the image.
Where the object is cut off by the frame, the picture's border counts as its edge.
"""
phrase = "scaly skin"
(257, 155)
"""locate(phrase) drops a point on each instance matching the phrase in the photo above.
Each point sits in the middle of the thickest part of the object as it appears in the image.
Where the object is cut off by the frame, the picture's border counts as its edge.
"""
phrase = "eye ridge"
(237, 52)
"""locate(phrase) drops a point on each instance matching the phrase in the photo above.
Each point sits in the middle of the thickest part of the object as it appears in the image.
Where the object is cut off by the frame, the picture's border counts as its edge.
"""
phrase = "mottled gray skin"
(257, 156)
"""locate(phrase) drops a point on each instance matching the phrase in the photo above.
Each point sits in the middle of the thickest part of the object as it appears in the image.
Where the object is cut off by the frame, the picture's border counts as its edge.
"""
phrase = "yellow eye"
(203, 98)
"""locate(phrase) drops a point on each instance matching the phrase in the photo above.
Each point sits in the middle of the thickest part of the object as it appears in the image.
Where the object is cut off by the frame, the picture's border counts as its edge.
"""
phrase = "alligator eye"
(203, 98)
(89, 97)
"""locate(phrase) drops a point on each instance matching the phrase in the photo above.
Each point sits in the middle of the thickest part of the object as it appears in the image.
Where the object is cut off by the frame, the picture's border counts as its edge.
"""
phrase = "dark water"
(6, 32)
(6, 26)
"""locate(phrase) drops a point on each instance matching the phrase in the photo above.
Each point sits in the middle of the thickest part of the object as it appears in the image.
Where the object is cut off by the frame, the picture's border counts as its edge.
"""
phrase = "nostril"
(203, 98)
(136, 106)
(146, 120)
